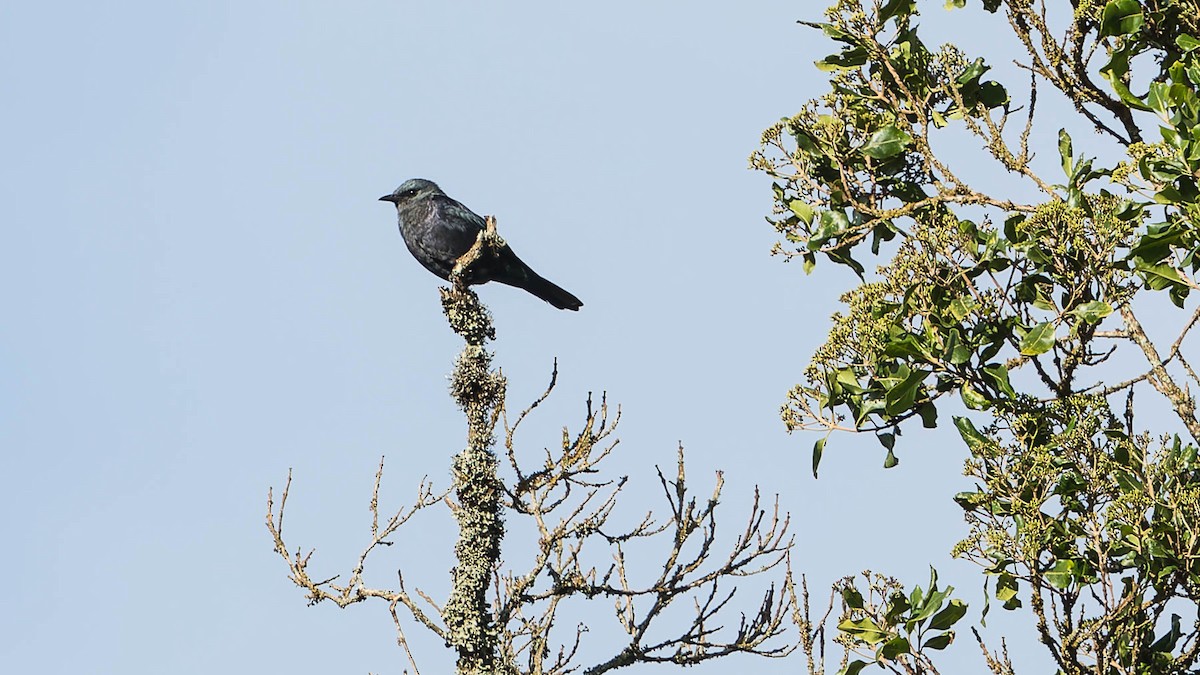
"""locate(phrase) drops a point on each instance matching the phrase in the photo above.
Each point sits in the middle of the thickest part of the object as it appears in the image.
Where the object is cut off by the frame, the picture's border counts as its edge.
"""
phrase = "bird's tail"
(544, 289)
(513, 271)
(551, 293)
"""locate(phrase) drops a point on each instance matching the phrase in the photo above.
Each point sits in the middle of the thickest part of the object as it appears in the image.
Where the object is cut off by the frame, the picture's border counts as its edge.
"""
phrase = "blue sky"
(202, 291)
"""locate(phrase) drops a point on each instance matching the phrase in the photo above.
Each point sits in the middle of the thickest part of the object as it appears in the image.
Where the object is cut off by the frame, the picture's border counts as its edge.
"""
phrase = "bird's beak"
(388, 198)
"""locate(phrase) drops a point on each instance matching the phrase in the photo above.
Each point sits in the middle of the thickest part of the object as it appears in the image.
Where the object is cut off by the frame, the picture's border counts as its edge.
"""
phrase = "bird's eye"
(410, 193)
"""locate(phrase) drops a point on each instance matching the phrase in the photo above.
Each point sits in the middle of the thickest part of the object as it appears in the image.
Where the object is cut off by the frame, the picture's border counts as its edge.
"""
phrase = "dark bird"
(438, 230)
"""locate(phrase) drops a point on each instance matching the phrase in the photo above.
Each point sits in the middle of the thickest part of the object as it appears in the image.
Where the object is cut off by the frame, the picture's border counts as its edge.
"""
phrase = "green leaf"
(842, 256)
(1115, 71)
(1131, 210)
(891, 460)
(933, 601)
(1006, 591)
(1158, 277)
(803, 211)
(847, 59)
(1041, 300)
(1187, 43)
(1039, 340)
(818, 450)
(1178, 295)
(998, 374)
(885, 230)
(897, 646)
(1170, 136)
(973, 72)
(1121, 17)
(974, 92)
(1012, 228)
(887, 142)
(972, 398)
(847, 379)
(928, 413)
(1065, 152)
(806, 142)
(1061, 575)
(852, 597)
(1157, 243)
(864, 629)
(1093, 312)
(948, 616)
(992, 94)
(887, 440)
(931, 604)
(897, 605)
(897, 7)
(962, 306)
(1128, 481)
(955, 350)
(830, 224)
(1167, 642)
(966, 500)
(1037, 255)
(810, 262)
(969, 433)
(901, 396)
(854, 667)
(939, 641)
(908, 346)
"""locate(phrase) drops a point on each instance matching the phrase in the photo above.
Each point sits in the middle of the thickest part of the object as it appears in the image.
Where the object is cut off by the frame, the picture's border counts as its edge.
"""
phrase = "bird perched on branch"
(438, 230)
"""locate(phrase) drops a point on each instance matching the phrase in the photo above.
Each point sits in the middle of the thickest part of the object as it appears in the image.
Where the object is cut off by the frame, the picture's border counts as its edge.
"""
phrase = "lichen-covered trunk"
(478, 391)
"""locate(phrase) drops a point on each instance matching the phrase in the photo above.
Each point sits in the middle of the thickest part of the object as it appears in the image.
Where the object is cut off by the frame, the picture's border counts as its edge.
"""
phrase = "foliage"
(1027, 305)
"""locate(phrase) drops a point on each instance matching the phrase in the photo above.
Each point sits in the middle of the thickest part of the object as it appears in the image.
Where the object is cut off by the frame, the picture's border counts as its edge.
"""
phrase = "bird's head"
(411, 189)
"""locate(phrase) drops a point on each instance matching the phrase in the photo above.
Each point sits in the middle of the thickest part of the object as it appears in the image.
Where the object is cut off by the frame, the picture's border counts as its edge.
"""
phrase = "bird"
(438, 230)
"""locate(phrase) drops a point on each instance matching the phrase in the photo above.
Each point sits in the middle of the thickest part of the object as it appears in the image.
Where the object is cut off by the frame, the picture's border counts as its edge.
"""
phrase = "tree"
(1040, 309)
(563, 498)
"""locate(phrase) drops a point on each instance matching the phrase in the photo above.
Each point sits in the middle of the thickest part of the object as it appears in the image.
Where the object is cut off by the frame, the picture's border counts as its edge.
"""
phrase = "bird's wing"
(454, 212)
(438, 231)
